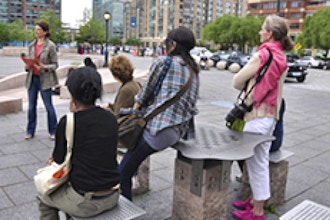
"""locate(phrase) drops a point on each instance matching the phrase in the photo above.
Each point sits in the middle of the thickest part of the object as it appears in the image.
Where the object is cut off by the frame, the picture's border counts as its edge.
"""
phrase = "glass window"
(296, 4)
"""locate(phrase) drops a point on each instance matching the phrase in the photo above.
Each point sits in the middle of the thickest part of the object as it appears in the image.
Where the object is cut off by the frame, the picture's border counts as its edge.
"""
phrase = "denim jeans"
(129, 165)
(46, 96)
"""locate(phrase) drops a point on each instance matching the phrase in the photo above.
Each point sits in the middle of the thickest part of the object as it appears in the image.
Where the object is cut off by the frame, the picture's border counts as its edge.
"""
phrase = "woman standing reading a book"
(41, 78)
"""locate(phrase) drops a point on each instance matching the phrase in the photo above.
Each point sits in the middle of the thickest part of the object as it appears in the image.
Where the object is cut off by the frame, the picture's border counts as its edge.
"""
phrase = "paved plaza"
(307, 128)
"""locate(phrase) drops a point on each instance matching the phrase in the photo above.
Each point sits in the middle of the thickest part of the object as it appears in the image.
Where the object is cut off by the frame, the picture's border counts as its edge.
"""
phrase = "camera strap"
(258, 79)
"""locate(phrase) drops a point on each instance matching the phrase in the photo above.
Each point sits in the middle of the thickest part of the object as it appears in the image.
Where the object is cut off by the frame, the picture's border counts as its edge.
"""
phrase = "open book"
(30, 61)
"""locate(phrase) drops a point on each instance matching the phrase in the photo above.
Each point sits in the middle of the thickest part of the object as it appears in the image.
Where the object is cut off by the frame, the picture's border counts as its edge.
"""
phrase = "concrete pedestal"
(278, 177)
(10, 105)
(200, 196)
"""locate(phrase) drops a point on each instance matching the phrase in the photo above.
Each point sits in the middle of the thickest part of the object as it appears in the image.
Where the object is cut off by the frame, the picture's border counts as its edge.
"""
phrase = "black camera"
(238, 111)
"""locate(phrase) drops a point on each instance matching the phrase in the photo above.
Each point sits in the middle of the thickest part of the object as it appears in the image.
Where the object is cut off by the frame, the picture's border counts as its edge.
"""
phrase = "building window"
(294, 26)
(295, 15)
(296, 4)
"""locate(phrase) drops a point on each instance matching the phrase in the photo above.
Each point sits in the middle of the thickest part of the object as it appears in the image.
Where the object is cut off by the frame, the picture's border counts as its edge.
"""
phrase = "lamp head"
(106, 15)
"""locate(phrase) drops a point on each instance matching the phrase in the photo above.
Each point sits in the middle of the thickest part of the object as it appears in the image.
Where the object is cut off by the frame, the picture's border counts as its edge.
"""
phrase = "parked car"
(310, 61)
(295, 69)
(326, 65)
(241, 60)
(218, 56)
(196, 52)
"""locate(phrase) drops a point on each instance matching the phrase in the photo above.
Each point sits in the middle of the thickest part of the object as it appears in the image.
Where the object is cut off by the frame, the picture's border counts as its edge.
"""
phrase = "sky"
(72, 10)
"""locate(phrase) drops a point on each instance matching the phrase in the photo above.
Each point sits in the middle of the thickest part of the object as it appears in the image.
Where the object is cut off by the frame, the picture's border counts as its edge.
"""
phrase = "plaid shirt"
(182, 112)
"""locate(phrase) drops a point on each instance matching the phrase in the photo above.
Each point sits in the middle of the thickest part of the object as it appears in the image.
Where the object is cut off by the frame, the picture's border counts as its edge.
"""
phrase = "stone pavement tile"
(321, 163)
(16, 160)
(31, 170)
(23, 146)
(299, 174)
(4, 201)
(318, 194)
(21, 193)
(157, 183)
(325, 138)
(294, 188)
(158, 205)
(42, 155)
(28, 211)
(11, 176)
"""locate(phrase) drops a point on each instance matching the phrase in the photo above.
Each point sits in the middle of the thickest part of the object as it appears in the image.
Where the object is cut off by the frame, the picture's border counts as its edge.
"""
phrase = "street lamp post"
(106, 17)
(278, 7)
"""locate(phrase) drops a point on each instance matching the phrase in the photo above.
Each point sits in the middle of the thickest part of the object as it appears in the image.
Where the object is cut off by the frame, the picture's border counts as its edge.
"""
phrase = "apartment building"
(28, 11)
(152, 20)
(293, 10)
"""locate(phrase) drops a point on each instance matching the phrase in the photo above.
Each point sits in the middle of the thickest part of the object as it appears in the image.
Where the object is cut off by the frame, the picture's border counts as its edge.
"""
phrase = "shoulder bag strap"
(259, 77)
(169, 102)
(69, 131)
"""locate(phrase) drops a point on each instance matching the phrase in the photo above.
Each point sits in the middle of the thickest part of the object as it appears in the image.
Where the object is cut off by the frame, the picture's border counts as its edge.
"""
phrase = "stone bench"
(202, 170)
(308, 210)
(278, 171)
(124, 210)
(10, 105)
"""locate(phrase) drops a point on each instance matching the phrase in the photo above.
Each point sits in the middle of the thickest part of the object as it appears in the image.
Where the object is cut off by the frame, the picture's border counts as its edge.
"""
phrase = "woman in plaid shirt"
(174, 123)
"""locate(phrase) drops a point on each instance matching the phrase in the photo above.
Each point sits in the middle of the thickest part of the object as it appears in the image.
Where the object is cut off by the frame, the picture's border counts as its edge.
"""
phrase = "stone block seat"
(278, 170)
(10, 105)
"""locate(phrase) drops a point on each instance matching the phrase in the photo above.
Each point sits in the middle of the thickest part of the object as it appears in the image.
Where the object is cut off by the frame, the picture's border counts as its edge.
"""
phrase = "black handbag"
(130, 127)
(235, 118)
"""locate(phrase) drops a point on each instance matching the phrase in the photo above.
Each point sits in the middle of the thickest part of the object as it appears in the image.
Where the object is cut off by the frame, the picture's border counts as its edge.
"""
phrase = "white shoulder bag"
(49, 178)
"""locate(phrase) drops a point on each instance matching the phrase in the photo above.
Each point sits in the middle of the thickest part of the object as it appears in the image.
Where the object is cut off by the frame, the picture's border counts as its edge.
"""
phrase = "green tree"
(316, 31)
(228, 30)
(55, 25)
(115, 41)
(17, 32)
(4, 33)
(133, 42)
(92, 32)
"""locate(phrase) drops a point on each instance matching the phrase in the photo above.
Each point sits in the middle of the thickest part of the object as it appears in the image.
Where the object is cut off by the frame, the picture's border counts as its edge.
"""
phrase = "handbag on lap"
(49, 178)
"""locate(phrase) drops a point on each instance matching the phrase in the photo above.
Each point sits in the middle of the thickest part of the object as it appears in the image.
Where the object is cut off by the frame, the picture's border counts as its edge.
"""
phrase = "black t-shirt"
(94, 154)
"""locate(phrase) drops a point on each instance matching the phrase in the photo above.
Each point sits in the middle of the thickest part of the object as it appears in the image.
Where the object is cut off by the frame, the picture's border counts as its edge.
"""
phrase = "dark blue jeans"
(46, 96)
(129, 165)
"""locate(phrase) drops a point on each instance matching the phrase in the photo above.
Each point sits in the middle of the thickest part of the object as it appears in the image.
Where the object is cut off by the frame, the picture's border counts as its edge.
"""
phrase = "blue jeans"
(129, 165)
(46, 96)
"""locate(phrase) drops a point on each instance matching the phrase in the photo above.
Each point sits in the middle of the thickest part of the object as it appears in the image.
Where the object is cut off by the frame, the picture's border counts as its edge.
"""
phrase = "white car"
(310, 61)
(196, 52)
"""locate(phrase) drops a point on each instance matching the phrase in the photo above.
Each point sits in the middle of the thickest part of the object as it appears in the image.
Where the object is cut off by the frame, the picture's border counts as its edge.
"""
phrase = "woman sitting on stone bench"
(93, 185)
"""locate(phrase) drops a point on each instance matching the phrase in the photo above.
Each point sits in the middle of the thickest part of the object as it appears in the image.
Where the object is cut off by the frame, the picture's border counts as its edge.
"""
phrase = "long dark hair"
(185, 41)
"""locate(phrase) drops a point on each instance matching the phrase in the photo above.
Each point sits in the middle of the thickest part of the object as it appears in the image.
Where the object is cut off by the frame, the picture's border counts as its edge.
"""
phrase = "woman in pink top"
(266, 98)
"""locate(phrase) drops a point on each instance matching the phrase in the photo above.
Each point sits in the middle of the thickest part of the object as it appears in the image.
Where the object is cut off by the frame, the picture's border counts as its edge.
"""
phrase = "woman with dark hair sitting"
(176, 121)
(94, 177)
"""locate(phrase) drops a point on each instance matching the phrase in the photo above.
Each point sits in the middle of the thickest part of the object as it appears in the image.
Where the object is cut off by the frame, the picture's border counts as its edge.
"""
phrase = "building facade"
(293, 10)
(150, 21)
(29, 11)
(116, 9)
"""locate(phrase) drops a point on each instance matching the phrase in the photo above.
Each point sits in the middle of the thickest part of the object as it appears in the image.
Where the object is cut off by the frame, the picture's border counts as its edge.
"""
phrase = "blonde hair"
(279, 27)
(121, 68)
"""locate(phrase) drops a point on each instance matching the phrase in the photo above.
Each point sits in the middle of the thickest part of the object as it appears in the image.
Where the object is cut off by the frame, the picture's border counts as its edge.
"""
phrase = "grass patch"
(75, 63)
